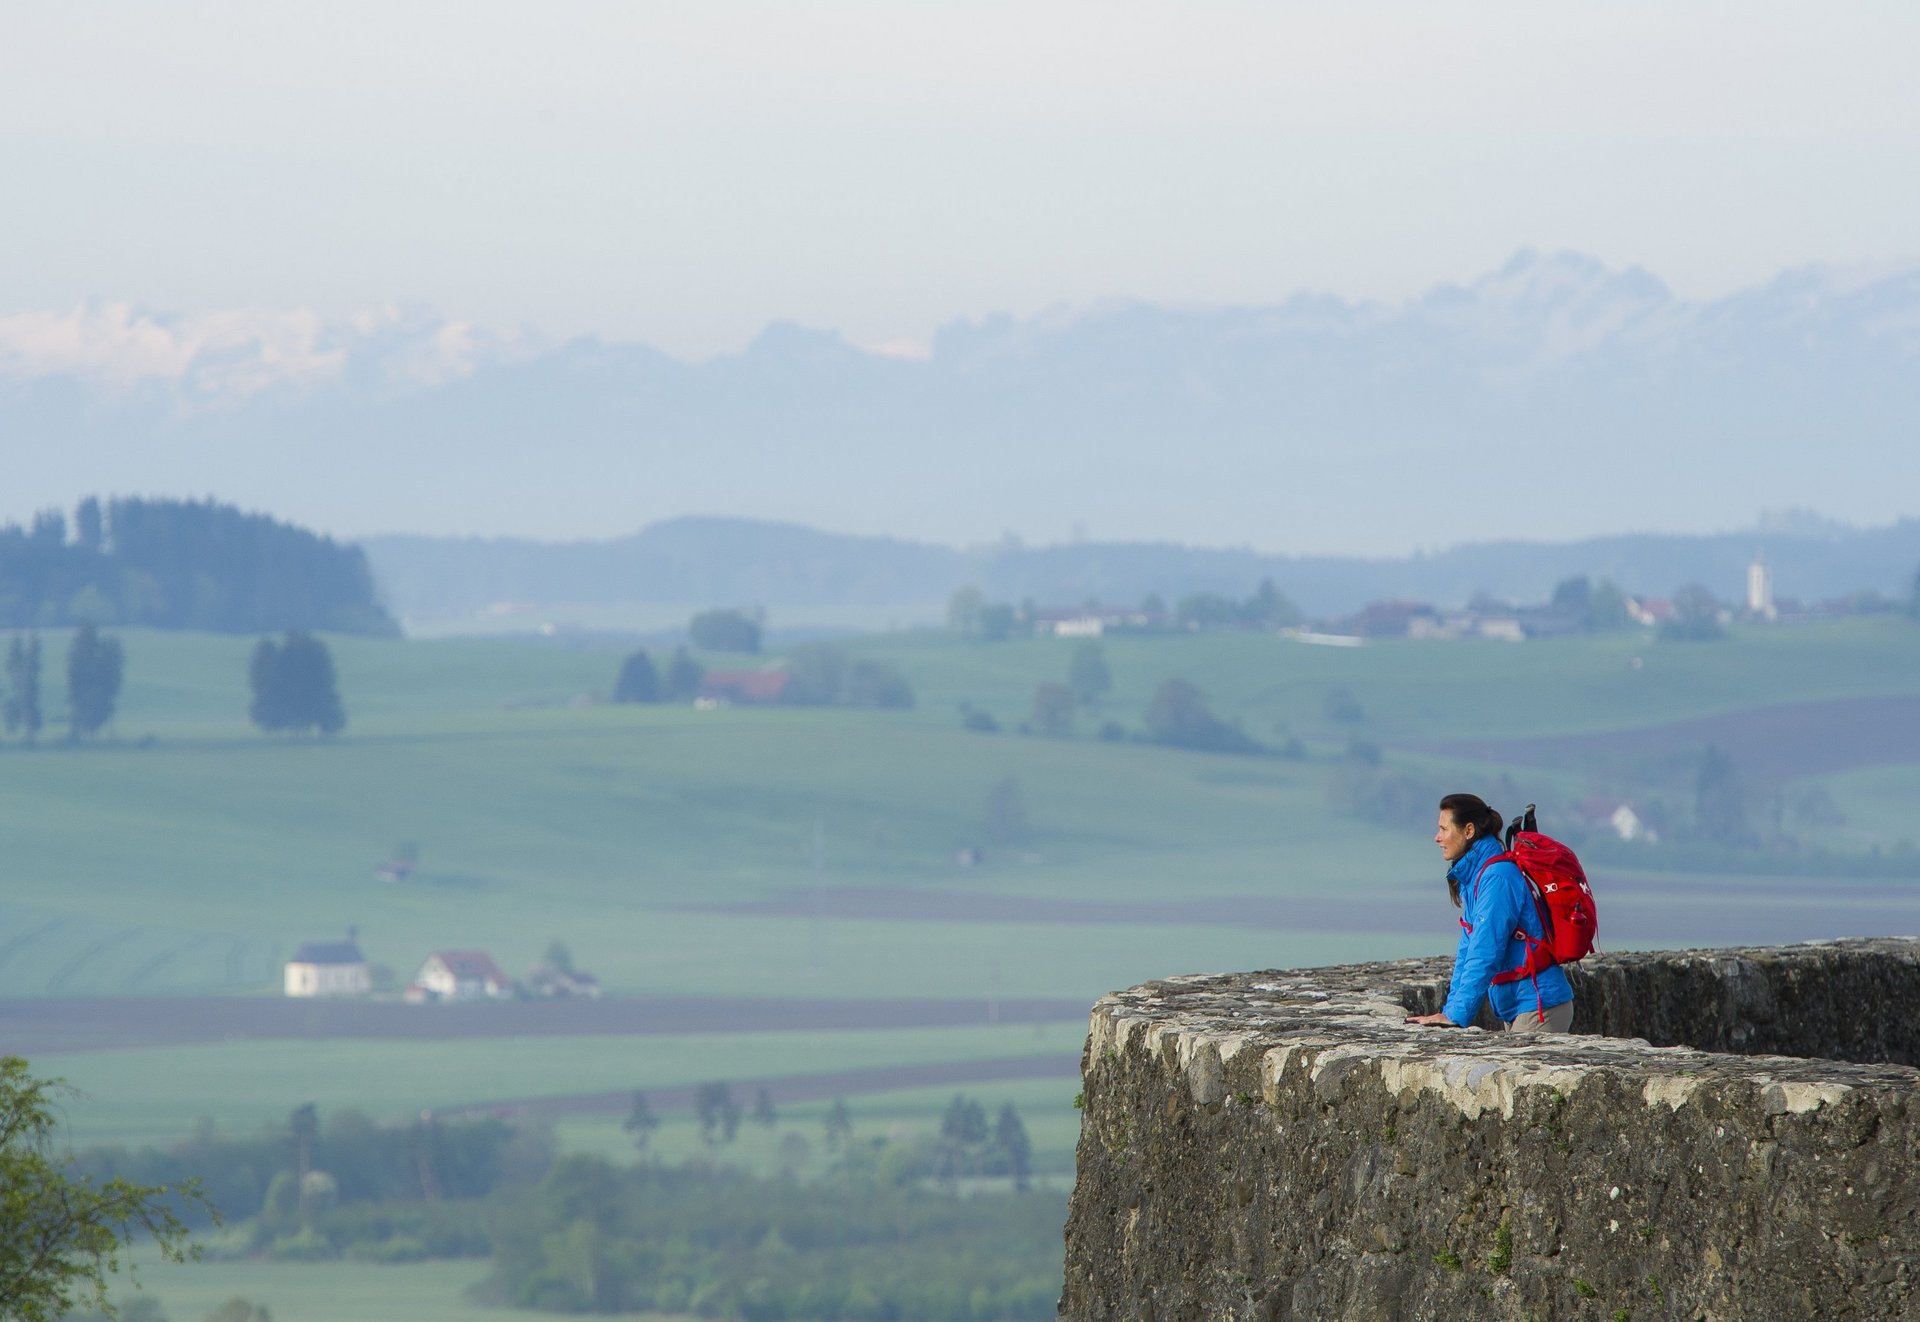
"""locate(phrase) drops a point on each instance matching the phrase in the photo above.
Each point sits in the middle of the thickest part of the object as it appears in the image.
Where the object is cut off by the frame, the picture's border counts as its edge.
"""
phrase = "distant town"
(1579, 604)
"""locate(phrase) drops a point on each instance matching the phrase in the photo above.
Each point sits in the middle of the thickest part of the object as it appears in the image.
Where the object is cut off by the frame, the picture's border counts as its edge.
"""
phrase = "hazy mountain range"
(1549, 400)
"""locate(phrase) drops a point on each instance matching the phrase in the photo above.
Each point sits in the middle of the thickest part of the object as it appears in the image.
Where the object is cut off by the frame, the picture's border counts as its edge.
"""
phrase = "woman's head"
(1465, 820)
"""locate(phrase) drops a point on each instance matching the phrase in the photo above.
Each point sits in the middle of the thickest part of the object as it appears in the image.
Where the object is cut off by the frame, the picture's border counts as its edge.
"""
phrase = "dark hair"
(1471, 810)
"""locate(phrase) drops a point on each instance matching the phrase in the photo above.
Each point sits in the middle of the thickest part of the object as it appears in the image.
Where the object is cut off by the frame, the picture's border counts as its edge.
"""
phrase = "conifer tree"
(22, 707)
(641, 1121)
(1010, 1136)
(638, 681)
(95, 666)
(839, 1123)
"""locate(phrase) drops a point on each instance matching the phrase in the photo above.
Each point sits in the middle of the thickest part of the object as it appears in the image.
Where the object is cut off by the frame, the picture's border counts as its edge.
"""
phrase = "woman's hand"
(1436, 1020)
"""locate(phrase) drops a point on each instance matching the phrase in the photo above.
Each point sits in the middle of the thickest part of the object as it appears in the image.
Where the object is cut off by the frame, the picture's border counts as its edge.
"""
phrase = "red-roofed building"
(746, 687)
(462, 975)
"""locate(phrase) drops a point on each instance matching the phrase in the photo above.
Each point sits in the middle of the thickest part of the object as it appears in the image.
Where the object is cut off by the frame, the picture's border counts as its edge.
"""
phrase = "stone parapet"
(1283, 1145)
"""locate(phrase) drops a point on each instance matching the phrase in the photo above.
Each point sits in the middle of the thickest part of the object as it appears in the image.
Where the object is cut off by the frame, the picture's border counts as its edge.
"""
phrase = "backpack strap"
(1530, 966)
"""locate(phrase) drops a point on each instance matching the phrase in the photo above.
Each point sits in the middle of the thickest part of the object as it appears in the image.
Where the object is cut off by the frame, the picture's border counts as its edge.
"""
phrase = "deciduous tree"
(1696, 616)
(294, 687)
(1573, 594)
(1087, 673)
(725, 631)
(1052, 713)
(963, 610)
(62, 1235)
(1178, 716)
(996, 622)
(1607, 606)
(684, 676)
(1270, 608)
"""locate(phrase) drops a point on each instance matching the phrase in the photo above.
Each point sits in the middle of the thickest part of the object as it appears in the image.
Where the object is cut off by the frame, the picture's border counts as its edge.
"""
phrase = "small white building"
(328, 968)
(1619, 817)
(462, 975)
(1760, 589)
(1628, 825)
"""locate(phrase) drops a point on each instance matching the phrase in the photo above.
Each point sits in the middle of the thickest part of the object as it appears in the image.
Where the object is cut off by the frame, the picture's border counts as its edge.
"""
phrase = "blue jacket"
(1495, 903)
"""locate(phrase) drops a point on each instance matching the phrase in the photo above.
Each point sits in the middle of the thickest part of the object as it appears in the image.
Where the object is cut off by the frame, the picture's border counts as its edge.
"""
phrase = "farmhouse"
(1091, 621)
(328, 968)
(1619, 817)
(744, 687)
(461, 975)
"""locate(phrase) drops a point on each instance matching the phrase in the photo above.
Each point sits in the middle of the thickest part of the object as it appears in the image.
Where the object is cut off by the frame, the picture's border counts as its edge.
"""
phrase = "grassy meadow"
(709, 853)
(326, 1291)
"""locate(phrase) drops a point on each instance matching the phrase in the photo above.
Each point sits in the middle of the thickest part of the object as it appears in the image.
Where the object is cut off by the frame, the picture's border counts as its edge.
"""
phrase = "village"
(338, 968)
(1579, 605)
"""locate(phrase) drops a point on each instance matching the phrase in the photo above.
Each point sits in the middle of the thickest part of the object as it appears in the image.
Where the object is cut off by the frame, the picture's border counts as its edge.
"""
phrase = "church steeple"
(1760, 588)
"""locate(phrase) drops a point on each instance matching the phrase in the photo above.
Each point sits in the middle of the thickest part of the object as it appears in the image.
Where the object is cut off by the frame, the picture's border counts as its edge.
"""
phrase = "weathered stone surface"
(1284, 1146)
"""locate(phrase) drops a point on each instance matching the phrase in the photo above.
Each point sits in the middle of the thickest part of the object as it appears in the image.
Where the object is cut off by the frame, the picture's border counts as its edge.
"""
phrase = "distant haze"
(683, 174)
(1550, 399)
(1219, 272)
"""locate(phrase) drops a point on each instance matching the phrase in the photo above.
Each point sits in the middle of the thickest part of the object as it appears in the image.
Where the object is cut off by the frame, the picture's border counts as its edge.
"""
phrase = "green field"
(327, 1291)
(192, 854)
(189, 854)
(154, 1094)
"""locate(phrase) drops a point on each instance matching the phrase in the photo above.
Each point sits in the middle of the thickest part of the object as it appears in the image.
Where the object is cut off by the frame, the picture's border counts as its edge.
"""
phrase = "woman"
(1497, 905)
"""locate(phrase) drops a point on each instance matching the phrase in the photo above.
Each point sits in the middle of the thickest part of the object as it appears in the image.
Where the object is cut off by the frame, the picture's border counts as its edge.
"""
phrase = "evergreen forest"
(182, 564)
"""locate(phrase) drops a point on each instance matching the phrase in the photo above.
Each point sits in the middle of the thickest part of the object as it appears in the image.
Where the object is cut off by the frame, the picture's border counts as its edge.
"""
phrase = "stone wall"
(1283, 1145)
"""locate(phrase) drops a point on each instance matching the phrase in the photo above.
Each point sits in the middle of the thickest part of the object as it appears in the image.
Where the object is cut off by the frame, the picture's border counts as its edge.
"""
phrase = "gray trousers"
(1558, 1019)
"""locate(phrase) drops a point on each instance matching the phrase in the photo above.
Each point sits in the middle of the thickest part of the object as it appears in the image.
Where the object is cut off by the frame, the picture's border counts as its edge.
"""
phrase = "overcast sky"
(682, 174)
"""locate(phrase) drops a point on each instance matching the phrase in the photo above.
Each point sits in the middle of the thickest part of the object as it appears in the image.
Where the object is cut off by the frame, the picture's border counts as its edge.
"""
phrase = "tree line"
(291, 685)
(883, 1233)
(971, 615)
(868, 1241)
(182, 564)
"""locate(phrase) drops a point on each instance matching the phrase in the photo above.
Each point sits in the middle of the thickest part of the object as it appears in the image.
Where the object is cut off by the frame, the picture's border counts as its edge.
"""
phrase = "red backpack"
(1561, 896)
